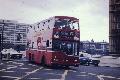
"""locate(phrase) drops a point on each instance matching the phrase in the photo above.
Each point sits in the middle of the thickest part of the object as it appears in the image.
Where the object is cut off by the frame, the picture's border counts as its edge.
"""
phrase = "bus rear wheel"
(43, 61)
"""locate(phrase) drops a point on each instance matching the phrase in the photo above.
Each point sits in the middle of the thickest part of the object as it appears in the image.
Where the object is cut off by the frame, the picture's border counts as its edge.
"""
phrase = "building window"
(118, 25)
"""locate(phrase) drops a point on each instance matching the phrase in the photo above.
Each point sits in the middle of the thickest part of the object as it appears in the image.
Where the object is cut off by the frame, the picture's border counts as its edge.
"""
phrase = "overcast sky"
(93, 14)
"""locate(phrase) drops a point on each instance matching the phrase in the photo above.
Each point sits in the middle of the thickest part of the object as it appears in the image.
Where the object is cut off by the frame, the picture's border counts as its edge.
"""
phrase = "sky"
(93, 15)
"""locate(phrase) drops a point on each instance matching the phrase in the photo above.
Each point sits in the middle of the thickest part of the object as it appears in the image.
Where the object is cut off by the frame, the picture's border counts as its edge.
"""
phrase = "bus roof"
(66, 17)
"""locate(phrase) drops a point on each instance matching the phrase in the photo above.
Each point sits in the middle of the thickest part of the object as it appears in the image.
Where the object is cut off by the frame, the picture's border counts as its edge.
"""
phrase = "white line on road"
(11, 67)
(108, 76)
(100, 77)
(2, 69)
(1, 63)
(48, 69)
(118, 78)
(17, 63)
(30, 64)
(83, 72)
(53, 79)
(9, 77)
(35, 78)
(82, 75)
(8, 68)
(24, 68)
(53, 74)
(64, 74)
(9, 71)
(29, 73)
(92, 74)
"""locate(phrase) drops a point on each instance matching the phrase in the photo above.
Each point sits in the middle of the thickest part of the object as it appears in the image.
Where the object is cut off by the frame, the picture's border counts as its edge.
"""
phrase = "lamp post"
(18, 39)
(2, 37)
(3, 33)
(0, 48)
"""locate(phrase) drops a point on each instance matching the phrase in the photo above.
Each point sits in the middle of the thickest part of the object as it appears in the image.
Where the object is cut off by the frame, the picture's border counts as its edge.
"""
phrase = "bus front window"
(66, 23)
(70, 48)
(75, 25)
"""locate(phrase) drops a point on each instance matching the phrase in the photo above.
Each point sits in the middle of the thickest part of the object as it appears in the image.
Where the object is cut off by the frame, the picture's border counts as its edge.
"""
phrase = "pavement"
(109, 61)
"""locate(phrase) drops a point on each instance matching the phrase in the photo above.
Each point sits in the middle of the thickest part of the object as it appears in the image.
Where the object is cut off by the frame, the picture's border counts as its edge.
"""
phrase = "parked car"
(96, 56)
(87, 59)
(11, 54)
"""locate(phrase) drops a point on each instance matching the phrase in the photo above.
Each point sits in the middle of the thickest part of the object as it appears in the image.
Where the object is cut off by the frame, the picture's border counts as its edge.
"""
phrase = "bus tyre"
(29, 57)
(43, 62)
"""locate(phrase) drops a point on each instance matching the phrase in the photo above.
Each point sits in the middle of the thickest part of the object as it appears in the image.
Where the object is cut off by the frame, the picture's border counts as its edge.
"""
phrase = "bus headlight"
(55, 59)
(55, 56)
(66, 60)
(56, 36)
(75, 60)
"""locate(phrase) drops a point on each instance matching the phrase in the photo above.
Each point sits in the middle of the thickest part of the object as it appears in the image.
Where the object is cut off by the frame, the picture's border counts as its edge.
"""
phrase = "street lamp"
(0, 48)
(2, 37)
(18, 39)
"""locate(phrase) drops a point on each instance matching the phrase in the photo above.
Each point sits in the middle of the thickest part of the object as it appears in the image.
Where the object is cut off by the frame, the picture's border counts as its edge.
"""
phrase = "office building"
(114, 27)
(11, 31)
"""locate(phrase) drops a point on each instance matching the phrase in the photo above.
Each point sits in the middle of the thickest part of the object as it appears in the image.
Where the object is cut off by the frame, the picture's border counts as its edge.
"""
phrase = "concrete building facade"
(114, 26)
(10, 30)
(94, 47)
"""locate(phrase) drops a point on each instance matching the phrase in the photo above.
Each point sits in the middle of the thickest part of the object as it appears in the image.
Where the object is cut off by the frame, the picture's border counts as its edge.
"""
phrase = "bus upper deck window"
(47, 43)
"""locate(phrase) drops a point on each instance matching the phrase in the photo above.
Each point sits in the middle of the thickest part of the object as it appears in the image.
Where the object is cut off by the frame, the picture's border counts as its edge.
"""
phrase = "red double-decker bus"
(54, 41)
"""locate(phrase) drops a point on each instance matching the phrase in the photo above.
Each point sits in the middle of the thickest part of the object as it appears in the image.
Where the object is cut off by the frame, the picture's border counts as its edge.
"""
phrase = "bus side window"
(32, 45)
(47, 43)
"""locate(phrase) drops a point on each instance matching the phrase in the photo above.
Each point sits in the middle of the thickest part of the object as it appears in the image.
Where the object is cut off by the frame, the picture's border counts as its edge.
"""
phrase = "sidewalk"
(110, 61)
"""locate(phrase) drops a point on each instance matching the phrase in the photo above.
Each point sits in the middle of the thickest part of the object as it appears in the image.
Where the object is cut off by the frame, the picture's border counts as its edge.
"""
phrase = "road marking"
(9, 71)
(92, 74)
(9, 77)
(109, 77)
(35, 78)
(17, 63)
(28, 73)
(47, 69)
(8, 68)
(118, 78)
(74, 71)
(1, 63)
(53, 74)
(64, 74)
(9, 61)
(53, 79)
(82, 75)
(100, 77)
(30, 64)
(12, 67)
(33, 65)
(24, 68)
(83, 72)
(2, 69)
(20, 64)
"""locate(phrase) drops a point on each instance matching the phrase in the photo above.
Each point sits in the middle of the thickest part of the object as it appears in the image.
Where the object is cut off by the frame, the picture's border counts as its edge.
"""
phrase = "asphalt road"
(23, 70)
